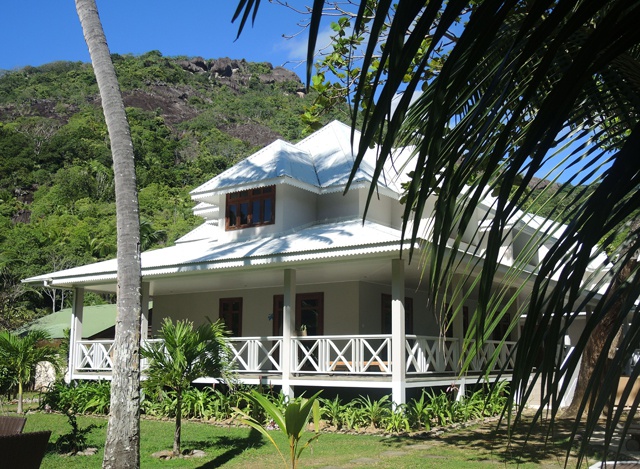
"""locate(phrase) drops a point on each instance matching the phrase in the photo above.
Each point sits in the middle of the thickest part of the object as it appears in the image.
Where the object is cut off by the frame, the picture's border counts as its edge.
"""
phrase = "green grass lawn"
(231, 447)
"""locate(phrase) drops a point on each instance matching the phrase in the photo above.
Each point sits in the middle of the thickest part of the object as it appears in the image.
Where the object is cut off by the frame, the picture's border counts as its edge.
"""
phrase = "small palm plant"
(20, 356)
(291, 423)
(185, 355)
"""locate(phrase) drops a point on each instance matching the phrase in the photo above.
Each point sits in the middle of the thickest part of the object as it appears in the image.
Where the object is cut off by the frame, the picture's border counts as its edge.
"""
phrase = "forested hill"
(190, 119)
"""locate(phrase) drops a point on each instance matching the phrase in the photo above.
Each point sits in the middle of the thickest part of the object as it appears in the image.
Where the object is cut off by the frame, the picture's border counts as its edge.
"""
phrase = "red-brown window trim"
(262, 199)
(231, 318)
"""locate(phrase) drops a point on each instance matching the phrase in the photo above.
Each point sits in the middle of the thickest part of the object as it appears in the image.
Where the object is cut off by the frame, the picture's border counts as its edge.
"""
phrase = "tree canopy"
(526, 86)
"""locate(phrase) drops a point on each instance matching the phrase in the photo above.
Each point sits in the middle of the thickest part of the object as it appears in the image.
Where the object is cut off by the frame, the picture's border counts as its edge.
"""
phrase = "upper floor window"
(253, 207)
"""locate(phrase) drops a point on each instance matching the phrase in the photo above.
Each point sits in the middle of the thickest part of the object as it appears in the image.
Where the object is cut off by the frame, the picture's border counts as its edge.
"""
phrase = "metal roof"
(315, 242)
(321, 162)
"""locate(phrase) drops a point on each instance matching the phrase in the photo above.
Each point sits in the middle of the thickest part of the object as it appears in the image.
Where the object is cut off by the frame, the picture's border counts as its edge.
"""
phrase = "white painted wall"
(380, 208)
(294, 207)
(335, 205)
(349, 308)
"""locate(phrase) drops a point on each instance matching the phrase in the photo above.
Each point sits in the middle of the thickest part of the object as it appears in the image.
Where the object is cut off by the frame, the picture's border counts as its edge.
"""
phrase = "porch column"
(398, 333)
(288, 326)
(144, 312)
(75, 334)
(458, 332)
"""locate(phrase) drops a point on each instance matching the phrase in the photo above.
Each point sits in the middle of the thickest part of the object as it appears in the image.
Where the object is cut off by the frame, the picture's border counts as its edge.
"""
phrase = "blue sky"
(34, 32)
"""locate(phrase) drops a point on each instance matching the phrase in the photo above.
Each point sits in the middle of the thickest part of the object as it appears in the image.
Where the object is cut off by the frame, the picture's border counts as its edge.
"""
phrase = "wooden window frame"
(250, 198)
(278, 301)
(222, 301)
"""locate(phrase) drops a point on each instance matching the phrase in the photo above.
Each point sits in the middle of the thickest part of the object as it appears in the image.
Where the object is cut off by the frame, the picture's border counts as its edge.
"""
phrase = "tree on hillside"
(184, 355)
(526, 85)
(20, 356)
(122, 446)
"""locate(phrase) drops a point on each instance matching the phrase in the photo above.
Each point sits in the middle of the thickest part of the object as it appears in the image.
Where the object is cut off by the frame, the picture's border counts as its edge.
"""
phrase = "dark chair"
(11, 425)
(23, 450)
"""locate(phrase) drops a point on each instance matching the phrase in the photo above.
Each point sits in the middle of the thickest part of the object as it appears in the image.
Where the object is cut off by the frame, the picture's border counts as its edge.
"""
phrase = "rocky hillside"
(190, 119)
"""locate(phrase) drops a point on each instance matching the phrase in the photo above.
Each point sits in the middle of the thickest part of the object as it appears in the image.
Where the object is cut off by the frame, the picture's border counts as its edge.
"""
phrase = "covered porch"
(363, 307)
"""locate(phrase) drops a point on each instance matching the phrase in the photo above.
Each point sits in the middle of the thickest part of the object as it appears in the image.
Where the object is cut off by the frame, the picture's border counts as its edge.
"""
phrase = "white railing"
(97, 355)
(256, 354)
(431, 354)
(335, 354)
(339, 354)
(486, 356)
(94, 355)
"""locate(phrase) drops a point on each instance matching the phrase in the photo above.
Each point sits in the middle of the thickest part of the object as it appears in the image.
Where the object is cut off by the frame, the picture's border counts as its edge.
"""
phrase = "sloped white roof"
(319, 163)
(324, 241)
(277, 160)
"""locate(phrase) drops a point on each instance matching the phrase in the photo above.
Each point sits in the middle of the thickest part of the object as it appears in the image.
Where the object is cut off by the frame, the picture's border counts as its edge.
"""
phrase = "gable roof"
(277, 160)
(321, 162)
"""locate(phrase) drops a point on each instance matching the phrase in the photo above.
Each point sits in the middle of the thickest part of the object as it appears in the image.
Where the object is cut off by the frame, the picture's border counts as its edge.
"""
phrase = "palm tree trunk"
(177, 433)
(20, 409)
(595, 346)
(122, 446)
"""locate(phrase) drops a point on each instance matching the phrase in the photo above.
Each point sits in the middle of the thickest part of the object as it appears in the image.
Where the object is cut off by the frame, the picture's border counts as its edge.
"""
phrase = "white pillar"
(288, 326)
(398, 333)
(144, 312)
(75, 334)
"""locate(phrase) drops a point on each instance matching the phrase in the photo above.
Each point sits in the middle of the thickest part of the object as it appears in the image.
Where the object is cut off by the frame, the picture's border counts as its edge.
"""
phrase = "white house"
(313, 296)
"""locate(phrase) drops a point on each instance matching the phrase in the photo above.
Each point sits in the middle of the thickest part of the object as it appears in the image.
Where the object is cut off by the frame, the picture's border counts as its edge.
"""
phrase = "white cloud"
(295, 48)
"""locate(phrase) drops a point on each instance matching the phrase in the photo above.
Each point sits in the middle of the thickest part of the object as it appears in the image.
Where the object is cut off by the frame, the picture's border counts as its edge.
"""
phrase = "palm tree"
(20, 355)
(122, 446)
(525, 85)
(184, 355)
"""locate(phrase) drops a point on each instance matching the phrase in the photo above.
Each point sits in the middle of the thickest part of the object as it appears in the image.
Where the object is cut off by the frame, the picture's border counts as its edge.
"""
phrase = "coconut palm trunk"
(122, 446)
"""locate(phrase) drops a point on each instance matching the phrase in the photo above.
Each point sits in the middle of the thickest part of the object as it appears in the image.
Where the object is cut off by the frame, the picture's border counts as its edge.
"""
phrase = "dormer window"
(253, 207)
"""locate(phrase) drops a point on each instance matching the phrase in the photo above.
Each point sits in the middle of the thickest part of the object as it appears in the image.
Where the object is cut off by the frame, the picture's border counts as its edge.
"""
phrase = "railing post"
(288, 326)
(75, 334)
(252, 359)
(144, 313)
(398, 333)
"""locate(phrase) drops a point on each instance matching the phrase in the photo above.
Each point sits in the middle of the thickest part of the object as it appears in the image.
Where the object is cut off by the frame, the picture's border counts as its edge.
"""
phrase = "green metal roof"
(95, 319)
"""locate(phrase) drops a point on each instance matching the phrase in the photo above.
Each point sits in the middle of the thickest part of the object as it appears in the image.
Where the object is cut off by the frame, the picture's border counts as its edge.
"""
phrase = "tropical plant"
(332, 411)
(220, 407)
(527, 86)
(76, 439)
(353, 416)
(397, 420)
(440, 407)
(92, 397)
(372, 411)
(122, 446)
(292, 422)
(184, 355)
(21, 355)
(419, 412)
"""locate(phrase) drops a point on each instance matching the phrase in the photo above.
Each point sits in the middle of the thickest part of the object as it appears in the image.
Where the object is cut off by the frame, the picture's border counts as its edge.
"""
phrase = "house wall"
(349, 308)
(335, 205)
(370, 320)
(380, 210)
(294, 208)
(340, 307)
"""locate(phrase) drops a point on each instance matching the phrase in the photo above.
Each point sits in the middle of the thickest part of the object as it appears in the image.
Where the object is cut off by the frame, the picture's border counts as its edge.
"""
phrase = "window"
(309, 311)
(501, 332)
(231, 315)
(386, 314)
(253, 207)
